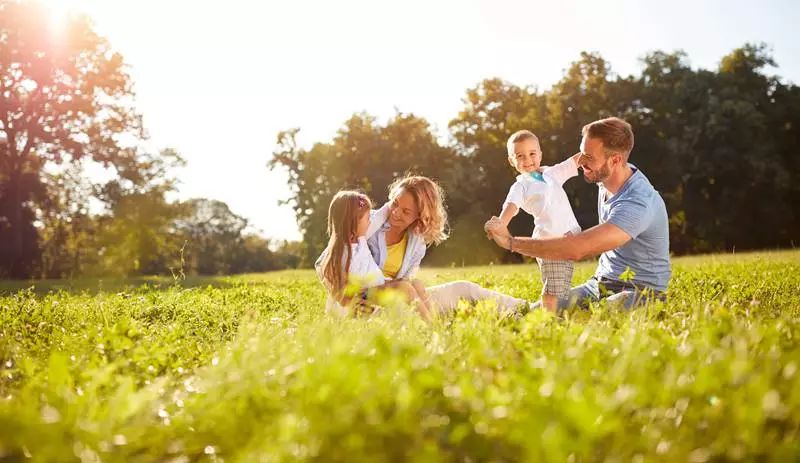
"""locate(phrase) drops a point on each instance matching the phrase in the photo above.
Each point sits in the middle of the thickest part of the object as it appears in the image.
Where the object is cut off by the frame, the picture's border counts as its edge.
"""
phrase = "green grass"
(248, 368)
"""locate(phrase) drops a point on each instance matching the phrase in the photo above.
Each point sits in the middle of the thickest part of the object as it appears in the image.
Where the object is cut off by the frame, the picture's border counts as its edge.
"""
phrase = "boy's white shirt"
(546, 201)
(363, 268)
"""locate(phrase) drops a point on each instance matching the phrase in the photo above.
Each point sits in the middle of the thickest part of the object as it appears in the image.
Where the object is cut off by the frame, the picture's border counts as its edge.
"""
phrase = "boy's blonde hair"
(518, 136)
(429, 198)
(346, 209)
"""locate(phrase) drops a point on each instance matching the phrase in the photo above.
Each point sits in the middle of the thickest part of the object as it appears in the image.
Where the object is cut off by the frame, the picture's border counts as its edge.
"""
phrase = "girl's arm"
(318, 266)
(377, 218)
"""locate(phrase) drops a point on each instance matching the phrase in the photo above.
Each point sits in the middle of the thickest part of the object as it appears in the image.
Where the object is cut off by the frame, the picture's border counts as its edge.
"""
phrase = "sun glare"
(58, 11)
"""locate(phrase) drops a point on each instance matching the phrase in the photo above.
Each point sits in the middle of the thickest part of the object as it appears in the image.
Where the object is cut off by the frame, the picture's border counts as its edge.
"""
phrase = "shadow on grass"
(279, 278)
(111, 285)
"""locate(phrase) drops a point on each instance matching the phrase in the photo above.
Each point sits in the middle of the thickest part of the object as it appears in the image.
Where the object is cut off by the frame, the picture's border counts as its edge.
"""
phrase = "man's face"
(597, 166)
(527, 156)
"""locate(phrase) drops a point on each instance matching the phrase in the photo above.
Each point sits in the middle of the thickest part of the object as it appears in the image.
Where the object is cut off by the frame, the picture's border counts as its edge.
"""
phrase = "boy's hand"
(497, 231)
(494, 224)
(488, 226)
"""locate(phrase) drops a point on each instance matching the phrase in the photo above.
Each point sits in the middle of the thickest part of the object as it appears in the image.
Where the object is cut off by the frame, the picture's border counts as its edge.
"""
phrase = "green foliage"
(704, 138)
(250, 369)
(363, 156)
(65, 98)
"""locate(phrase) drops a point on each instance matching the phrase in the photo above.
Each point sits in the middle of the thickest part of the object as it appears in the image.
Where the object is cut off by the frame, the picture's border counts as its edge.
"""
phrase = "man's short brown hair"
(615, 133)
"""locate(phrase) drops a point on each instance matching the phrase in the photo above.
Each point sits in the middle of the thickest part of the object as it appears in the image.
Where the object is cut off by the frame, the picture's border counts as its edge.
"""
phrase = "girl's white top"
(546, 200)
(363, 270)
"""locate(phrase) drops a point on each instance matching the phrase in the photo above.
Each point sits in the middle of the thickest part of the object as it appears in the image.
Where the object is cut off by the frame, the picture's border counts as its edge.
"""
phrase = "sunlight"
(59, 11)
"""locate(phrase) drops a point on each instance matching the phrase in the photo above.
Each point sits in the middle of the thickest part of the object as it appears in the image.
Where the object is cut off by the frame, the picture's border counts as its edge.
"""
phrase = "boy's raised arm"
(565, 169)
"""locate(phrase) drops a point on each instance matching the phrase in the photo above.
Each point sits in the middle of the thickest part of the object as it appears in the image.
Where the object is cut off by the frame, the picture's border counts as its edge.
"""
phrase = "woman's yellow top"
(394, 257)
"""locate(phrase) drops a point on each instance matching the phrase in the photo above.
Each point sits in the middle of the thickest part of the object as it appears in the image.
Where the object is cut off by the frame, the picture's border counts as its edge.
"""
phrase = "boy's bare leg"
(550, 302)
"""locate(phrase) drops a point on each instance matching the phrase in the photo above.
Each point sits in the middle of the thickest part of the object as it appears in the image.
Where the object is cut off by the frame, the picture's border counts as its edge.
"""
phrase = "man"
(632, 237)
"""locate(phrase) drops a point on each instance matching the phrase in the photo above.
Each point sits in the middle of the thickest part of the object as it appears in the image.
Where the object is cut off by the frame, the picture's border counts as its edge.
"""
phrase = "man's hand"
(491, 225)
(497, 231)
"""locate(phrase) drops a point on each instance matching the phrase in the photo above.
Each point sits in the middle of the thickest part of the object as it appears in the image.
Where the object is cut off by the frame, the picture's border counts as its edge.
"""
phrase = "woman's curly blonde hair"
(429, 197)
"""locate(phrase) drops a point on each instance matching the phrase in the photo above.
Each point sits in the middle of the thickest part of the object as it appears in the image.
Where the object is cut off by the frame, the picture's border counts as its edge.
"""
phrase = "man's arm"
(594, 241)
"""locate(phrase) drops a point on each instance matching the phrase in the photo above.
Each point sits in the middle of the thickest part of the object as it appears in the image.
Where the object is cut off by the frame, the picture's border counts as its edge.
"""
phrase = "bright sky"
(217, 80)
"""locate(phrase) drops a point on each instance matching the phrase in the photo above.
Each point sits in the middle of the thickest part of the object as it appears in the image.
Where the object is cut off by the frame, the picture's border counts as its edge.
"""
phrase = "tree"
(708, 140)
(721, 138)
(363, 156)
(138, 234)
(67, 229)
(65, 96)
(493, 110)
(213, 236)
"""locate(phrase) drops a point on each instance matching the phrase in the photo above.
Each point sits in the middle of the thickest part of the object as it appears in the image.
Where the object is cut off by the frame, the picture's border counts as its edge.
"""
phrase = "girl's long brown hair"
(346, 208)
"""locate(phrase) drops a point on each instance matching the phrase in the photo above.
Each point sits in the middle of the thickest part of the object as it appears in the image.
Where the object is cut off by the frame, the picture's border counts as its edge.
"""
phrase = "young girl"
(346, 267)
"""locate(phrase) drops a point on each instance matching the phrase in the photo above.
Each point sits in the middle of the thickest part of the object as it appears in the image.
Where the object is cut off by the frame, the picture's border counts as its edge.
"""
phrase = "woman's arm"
(418, 253)
(411, 293)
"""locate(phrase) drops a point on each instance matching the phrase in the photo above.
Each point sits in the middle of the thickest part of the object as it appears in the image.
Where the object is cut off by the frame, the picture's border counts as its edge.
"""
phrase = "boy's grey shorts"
(556, 276)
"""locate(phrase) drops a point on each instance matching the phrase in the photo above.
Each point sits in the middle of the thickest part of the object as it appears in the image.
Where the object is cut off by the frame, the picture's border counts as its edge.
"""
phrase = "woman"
(418, 219)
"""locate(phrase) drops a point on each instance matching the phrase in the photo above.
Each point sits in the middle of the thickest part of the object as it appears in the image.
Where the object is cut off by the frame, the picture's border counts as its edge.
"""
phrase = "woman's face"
(404, 211)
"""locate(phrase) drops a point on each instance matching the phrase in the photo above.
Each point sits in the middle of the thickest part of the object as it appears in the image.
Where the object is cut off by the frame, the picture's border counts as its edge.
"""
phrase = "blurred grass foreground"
(249, 368)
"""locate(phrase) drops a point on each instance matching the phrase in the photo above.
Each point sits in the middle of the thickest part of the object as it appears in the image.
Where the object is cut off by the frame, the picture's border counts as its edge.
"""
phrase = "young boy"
(539, 192)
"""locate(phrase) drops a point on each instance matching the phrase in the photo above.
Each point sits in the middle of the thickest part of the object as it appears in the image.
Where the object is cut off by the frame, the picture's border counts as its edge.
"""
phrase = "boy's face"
(526, 157)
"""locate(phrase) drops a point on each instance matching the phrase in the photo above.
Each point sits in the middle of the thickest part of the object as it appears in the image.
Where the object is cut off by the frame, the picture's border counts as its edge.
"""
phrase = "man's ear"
(511, 162)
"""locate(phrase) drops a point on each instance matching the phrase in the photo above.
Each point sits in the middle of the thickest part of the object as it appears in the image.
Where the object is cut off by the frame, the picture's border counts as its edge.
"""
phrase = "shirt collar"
(534, 176)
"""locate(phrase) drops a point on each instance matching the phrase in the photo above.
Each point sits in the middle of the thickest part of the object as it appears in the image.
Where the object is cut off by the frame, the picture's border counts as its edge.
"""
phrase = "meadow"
(249, 368)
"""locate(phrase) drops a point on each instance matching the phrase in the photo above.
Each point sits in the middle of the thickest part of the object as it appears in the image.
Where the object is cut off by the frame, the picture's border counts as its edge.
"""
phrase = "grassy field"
(248, 368)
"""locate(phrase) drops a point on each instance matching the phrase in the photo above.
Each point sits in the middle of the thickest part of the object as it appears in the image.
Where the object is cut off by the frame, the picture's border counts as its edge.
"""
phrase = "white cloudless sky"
(217, 80)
